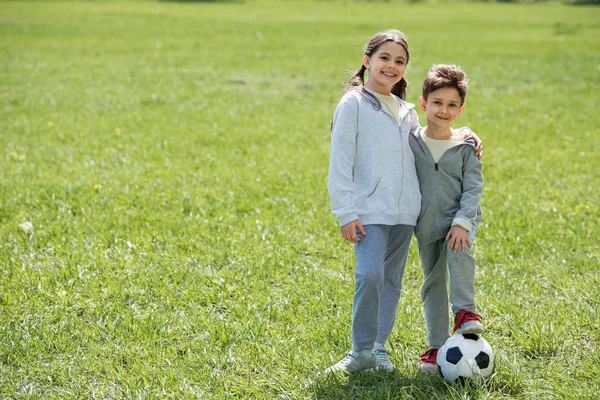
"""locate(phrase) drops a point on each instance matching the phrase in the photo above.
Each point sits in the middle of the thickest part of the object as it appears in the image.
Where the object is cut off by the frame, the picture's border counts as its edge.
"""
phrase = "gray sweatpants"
(380, 261)
(437, 263)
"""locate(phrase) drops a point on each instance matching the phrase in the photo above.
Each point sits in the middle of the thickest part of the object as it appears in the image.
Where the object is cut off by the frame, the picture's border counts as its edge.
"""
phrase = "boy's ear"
(460, 110)
(423, 103)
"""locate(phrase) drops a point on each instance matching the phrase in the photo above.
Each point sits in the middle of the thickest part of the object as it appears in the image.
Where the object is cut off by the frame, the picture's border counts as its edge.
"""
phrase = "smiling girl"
(374, 192)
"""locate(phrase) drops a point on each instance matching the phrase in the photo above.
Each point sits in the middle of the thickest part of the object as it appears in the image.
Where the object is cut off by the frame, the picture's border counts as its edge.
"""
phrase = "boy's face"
(442, 106)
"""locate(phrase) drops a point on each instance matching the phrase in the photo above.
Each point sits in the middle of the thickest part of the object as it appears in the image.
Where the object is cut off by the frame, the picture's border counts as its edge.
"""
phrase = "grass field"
(165, 229)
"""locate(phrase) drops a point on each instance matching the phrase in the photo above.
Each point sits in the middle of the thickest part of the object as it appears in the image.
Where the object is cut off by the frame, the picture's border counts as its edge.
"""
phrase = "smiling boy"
(451, 183)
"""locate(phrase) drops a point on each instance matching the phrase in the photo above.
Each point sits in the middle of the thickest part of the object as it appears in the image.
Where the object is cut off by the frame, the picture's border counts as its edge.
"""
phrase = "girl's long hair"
(357, 81)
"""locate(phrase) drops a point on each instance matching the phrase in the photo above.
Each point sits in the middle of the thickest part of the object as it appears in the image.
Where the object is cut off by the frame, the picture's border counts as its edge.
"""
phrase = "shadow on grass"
(379, 385)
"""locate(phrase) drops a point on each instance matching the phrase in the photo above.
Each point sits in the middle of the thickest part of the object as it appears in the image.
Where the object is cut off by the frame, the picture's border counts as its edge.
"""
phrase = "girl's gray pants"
(380, 261)
(437, 263)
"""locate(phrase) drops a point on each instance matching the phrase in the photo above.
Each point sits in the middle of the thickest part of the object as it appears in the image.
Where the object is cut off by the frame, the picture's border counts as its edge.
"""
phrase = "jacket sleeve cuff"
(347, 218)
(463, 223)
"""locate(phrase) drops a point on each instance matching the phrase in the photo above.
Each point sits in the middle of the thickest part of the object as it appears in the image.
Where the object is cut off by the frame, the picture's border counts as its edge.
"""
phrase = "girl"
(374, 192)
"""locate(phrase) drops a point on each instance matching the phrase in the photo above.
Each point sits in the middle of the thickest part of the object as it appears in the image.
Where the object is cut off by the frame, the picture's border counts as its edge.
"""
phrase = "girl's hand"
(478, 146)
(478, 143)
(458, 237)
(349, 231)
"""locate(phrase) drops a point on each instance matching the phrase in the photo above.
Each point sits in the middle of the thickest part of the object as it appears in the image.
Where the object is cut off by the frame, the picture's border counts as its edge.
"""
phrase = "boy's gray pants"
(437, 262)
(380, 261)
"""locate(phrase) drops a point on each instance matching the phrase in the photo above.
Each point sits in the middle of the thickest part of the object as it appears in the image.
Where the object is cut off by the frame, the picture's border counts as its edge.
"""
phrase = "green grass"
(171, 161)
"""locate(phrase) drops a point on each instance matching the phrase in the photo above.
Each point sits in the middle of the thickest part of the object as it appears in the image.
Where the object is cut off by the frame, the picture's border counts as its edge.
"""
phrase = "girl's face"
(386, 67)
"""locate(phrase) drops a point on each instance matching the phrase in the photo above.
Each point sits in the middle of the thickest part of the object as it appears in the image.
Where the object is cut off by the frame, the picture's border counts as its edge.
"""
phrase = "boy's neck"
(438, 133)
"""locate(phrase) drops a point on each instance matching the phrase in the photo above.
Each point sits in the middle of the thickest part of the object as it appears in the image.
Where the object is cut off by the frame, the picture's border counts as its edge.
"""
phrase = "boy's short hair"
(441, 76)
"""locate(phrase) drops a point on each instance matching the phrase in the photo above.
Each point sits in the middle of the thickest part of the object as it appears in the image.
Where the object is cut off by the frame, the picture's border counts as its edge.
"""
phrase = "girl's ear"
(423, 103)
(366, 61)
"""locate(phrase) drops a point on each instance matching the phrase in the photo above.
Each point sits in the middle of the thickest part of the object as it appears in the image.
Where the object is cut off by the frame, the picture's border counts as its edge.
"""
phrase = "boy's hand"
(349, 231)
(458, 237)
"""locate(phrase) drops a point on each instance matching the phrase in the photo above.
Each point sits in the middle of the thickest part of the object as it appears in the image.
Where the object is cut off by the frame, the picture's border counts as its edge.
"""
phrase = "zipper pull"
(436, 166)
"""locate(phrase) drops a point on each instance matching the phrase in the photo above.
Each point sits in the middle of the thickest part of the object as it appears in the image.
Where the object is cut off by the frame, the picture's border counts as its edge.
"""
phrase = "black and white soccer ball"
(465, 356)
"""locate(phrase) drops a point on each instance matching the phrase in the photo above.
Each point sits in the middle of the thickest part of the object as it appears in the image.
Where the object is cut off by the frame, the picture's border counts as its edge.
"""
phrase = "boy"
(451, 183)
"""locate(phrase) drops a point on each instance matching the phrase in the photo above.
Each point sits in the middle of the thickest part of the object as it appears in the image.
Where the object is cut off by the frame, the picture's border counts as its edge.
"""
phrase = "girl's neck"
(439, 133)
(381, 90)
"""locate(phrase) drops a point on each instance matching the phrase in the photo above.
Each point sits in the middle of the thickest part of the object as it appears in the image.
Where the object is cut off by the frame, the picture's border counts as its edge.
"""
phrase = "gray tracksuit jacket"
(451, 189)
(372, 174)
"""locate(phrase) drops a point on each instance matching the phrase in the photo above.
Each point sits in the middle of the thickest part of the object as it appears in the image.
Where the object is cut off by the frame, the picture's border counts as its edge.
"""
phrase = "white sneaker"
(429, 362)
(466, 322)
(382, 359)
(471, 327)
(353, 362)
(429, 368)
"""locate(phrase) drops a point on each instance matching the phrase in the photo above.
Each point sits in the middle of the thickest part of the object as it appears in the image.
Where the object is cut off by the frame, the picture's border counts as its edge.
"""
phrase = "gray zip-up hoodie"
(372, 175)
(451, 189)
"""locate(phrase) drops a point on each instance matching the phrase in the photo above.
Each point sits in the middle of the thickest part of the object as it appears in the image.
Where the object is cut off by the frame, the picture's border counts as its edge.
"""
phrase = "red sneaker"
(429, 362)
(468, 322)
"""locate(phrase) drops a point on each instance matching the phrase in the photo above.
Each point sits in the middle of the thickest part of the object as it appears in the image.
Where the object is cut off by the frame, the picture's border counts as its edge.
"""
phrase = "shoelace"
(348, 359)
(382, 355)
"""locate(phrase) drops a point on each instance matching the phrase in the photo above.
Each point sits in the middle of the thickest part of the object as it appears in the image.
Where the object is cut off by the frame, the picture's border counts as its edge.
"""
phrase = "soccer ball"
(465, 356)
